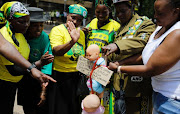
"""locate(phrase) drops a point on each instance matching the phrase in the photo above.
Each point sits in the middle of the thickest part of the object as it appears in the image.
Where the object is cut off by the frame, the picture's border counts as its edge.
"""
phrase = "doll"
(91, 105)
(92, 53)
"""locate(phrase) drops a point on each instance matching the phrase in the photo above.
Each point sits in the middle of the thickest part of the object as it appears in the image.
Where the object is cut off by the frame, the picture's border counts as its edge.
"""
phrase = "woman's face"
(21, 24)
(35, 29)
(165, 14)
(75, 18)
(123, 12)
(102, 13)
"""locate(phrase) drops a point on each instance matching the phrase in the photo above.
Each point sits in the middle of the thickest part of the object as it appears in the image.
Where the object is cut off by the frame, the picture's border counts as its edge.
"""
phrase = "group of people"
(139, 53)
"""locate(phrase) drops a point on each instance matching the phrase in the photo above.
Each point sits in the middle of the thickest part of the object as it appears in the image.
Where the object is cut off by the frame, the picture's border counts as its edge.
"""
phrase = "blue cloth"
(101, 61)
(97, 87)
(165, 105)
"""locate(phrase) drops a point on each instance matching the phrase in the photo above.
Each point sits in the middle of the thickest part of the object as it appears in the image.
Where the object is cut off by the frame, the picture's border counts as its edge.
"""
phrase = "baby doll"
(91, 105)
(92, 53)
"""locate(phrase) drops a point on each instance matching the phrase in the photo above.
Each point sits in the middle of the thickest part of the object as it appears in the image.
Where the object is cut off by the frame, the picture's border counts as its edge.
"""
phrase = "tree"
(146, 8)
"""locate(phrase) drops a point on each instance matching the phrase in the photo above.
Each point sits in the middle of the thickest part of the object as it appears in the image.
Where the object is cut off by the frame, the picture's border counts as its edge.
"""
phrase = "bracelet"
(32, 66)
(119, 69)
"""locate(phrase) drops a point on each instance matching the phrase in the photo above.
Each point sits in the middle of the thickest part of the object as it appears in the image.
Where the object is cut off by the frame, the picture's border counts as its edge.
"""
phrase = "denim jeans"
(165, 105)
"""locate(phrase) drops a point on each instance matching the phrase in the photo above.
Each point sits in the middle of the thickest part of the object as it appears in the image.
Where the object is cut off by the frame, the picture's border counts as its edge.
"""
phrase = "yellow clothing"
(59, 35)
(104, 35)
(23, 50)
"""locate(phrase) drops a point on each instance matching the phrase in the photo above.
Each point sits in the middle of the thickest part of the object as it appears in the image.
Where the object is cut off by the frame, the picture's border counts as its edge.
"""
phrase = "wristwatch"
(32, 66)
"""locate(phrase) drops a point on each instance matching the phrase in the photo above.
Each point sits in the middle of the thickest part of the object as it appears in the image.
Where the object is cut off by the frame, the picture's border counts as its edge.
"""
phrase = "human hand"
(86, 30)
(46, 59)
(117, 63)
(111, 48)
(42, 96)
(75, 33)
(113, 66)
(44, 79)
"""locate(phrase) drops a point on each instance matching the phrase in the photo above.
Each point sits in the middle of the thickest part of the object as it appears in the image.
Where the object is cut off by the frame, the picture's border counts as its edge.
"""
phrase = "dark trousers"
(7, 96)
(62, 98)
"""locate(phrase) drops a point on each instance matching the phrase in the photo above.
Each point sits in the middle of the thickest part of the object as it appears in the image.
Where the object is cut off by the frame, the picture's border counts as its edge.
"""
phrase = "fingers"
(106, 50)
(117, 63)
(49, 56)
(70, 25)
(41, 102)
(45, 84)
(45, 78)
(109, 52)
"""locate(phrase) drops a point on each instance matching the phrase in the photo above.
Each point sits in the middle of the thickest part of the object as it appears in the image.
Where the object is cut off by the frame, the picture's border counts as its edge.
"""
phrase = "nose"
(75, 21)
(27, 24)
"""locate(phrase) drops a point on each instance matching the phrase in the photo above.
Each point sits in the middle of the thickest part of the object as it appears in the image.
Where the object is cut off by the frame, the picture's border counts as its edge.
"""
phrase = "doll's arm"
(42, 96)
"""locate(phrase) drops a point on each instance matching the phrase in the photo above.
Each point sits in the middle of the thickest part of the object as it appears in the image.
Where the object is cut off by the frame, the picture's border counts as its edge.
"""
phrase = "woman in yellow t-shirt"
(102, 31)
(16, 20)
(15, 17)
(68, 43)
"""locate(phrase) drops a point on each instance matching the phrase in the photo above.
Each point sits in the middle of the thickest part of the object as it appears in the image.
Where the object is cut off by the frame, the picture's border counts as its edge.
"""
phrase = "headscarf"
(78, 9)
(10, 10)
(104, 2)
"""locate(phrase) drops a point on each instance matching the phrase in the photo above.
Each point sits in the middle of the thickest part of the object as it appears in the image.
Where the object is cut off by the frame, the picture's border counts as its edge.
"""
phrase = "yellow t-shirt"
(67, 63)
(104, 35)
(23, 50)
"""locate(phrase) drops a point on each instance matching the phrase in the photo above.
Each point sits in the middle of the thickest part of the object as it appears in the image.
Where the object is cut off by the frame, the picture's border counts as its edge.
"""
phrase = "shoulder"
(146, 20)
(57, 30)
(115, 24)
(145, 23)
(3, 30)
(175, 34)
(44, 36)
(95, 20)
(172, 39)
(113, 21)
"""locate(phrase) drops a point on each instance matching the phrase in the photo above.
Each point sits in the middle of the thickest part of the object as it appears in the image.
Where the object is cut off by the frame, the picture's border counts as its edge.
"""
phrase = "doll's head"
(92, 52)
(91, 103)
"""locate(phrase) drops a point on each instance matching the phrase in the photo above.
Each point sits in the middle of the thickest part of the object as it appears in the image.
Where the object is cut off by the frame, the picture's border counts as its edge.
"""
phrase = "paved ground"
(17, 108)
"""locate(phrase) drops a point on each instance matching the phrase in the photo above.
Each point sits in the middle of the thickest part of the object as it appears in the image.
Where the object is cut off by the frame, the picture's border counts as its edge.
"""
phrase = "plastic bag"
(120, 106)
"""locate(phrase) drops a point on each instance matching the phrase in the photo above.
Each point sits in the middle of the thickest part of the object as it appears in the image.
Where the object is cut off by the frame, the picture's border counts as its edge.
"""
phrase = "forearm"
(132, 60)
(138, 70)
(38, 64)
(62, 49)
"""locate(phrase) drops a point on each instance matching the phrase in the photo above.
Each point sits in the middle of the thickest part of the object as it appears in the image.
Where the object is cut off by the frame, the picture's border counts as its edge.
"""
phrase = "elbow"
(149, 72)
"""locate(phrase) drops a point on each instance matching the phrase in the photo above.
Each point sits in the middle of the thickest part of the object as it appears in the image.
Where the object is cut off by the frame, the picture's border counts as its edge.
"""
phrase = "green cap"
(78, 9)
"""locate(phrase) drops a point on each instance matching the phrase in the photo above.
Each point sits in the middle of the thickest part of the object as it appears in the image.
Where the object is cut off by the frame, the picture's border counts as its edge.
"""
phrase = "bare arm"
(164, 57)
(132, 60)
(60, 50)
(11, 53)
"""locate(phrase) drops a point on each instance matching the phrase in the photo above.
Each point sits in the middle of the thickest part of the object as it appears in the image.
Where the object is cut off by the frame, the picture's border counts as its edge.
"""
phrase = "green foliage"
(146, 8)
